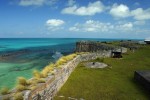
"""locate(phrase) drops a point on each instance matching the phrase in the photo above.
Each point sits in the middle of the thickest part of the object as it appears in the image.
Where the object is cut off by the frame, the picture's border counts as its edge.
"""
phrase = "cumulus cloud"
(120, 11)
(140, 14)
(54, 24)
(124, 27)
(36, 2)
(91, 9)
(97, 26)
(123, 11)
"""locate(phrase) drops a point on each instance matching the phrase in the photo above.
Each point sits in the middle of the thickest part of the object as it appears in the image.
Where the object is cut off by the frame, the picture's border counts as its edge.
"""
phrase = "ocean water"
(20, 56)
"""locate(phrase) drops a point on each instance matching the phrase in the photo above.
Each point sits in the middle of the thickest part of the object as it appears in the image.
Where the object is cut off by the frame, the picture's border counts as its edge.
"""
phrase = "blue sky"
(75, 19)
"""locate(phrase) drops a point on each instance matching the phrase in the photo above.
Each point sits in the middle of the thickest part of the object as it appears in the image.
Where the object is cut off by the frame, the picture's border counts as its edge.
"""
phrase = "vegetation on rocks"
(38, 77)
(18, 96)
(4, 91)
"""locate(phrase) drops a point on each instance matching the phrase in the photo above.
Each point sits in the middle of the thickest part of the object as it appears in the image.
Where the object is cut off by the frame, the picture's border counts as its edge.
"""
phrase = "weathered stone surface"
(143, 77)
(93, 46)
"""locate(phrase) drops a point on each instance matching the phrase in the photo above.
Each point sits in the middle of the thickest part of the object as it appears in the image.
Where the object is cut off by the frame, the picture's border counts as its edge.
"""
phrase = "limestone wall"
(46, 91)
(93, 46)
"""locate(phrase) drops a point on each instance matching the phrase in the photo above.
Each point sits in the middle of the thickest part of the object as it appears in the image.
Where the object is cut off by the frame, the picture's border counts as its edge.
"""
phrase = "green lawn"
(114, 83)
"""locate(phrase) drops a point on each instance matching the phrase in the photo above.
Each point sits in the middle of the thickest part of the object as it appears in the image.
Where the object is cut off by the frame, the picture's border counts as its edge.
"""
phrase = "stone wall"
(95, 46)
(46, 91)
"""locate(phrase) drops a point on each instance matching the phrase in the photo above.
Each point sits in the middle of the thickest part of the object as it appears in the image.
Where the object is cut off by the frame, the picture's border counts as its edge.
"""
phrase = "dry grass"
(47, 69)
(37, 74)
(33, 87)
(21, 88)
(23, 81)
(65, 59)
(4, 91)
(18, 96)
(41, 80)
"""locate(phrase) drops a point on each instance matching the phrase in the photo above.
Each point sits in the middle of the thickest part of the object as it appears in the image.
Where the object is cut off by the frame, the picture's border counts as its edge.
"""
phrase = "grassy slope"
(114, 83)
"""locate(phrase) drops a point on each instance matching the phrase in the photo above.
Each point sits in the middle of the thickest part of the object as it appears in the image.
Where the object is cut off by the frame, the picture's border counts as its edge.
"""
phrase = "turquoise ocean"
(20, 56)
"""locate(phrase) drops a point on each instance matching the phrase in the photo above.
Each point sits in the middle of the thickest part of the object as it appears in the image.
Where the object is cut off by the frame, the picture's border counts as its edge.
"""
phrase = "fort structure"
(53, 82)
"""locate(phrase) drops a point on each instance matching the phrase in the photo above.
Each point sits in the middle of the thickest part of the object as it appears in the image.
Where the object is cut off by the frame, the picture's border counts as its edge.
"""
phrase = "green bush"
(4, 91)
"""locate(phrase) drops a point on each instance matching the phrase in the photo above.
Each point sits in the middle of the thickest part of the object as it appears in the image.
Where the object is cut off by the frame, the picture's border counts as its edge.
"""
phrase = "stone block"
(143, 77)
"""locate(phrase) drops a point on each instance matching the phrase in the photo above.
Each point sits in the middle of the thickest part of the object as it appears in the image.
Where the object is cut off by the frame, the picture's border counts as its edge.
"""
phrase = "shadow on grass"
(139, 87)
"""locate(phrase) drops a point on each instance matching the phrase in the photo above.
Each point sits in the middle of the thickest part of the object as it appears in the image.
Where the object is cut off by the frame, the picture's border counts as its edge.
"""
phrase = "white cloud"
(73, 29)
(54, 24)
(91, 9)
(124, 27)
(120, 11)
(140, 14)
(71, 2)
(97, 26)
(123, 11)
(36, 2)
(141, 22)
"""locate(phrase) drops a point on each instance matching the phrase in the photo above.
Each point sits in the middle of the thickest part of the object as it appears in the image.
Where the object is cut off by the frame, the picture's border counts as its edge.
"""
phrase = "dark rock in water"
(143, 77)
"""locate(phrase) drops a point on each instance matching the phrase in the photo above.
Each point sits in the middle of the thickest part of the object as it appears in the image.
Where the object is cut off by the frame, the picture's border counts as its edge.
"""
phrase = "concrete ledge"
(143, 77)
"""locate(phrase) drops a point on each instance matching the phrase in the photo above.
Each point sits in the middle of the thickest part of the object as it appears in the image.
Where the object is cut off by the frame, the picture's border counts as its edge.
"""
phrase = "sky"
(75, 19)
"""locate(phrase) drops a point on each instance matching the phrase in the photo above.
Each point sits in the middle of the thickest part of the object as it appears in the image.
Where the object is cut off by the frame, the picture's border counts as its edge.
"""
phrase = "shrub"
(61, 61)
(33, 87)
(37, 74)
(41, 80)
(47, 70)
(22, 81)
(37, 80)
(18, 96)
(21, 87)
(4, 91)
(65, 59)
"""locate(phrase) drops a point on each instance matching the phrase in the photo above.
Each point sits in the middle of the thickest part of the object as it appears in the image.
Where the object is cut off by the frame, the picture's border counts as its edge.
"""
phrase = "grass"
(21, 88)
(4, 91)
(22, 81)
(47, 69)
(18, 96)
(65, 59)
(37, 74)
(112, 83)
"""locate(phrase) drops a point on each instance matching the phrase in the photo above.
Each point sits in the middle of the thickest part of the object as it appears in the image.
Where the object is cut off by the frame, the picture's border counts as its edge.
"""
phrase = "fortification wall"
(95, 46)
(46, 91)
